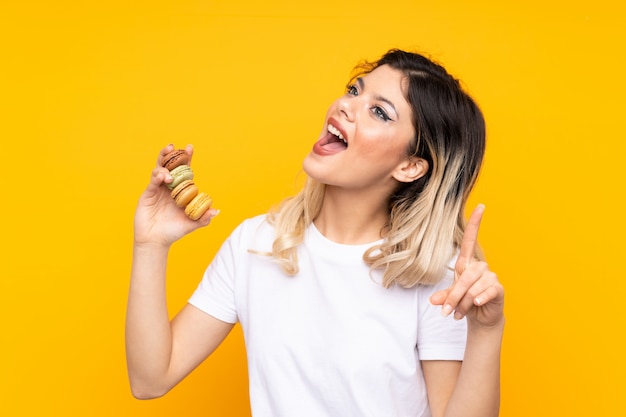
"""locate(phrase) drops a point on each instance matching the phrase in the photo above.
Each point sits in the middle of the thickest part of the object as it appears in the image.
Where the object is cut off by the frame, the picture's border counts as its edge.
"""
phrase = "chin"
(314, 168)
(308, 164)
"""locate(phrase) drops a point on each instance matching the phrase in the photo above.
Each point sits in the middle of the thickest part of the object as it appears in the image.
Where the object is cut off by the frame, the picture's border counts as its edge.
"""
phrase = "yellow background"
(91, 91)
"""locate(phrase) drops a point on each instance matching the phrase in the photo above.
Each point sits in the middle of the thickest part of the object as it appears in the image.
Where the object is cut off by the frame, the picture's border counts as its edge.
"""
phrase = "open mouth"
(332, 142)
(338, 137)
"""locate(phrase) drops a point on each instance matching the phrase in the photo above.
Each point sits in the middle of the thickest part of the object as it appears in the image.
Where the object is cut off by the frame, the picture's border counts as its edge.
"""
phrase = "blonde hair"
(426, 217)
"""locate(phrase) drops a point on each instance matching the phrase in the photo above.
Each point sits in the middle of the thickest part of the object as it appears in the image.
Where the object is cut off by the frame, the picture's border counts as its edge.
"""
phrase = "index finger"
(470, 237)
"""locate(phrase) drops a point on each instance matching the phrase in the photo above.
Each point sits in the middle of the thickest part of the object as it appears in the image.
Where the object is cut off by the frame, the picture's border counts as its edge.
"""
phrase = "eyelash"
(376, 110)
(381, 113)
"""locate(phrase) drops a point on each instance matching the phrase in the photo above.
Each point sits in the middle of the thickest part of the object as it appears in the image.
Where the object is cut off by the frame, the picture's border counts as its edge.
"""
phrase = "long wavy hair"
(426, 217)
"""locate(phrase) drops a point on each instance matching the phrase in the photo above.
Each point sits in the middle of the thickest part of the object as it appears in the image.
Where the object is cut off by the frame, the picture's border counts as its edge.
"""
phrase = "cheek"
(387, 146)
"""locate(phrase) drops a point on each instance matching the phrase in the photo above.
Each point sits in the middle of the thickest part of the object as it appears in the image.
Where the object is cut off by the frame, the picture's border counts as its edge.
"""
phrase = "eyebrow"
(380, 98)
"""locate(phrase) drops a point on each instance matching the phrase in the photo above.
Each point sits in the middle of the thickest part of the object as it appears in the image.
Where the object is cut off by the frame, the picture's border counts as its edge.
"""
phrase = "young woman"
(363, 295)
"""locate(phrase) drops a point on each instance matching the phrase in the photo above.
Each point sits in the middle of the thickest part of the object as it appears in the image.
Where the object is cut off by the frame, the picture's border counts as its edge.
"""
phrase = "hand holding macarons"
(172, 205)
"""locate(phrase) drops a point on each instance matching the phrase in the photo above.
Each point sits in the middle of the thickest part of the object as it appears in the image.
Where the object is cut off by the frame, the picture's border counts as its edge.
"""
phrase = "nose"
(345, 106)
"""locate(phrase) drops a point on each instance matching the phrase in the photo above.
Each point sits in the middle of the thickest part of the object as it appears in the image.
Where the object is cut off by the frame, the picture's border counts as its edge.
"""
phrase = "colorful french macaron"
(184, 193)
(198, 206)
(175, 158)
(179, 174)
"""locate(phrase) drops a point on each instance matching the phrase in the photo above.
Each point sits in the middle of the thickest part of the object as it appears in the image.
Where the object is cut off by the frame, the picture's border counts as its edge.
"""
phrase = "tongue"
(335, 145)
(328, 145)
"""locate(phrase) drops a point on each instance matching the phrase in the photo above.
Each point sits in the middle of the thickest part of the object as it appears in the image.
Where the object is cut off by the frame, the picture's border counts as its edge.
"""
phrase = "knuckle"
(473, 292)
(482, 265)
(465, 280)
(491, 278)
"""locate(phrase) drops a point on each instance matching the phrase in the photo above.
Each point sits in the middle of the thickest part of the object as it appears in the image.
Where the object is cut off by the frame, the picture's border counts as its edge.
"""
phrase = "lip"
(333, 122)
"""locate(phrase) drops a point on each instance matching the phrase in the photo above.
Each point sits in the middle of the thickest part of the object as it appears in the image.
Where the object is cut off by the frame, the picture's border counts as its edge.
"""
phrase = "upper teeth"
(332, 129)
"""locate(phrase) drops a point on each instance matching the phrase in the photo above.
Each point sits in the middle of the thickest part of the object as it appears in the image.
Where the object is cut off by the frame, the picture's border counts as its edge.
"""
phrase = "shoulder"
(256, 224)
(253, 230)
(424, 291)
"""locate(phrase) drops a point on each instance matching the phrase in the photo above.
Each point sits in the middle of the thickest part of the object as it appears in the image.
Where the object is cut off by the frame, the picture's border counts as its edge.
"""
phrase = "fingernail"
(446, 310)
(477, 301)
(458, 316)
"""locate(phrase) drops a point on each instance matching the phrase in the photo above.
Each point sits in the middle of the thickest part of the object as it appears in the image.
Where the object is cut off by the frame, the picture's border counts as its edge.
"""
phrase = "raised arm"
(160, 353)
(470, 388)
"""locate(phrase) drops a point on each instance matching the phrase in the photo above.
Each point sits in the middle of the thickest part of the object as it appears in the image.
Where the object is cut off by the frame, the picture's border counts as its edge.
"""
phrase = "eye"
(352, 90)
(380, 113)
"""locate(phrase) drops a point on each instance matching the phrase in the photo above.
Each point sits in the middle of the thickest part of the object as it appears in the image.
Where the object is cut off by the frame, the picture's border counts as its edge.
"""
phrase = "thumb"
(438, 297)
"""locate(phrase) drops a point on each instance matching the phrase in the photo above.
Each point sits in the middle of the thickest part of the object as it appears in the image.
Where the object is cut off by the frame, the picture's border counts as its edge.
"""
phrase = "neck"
(350, 217)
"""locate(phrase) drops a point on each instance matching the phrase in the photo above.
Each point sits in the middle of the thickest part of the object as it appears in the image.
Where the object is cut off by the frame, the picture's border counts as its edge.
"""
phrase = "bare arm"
(470, 388)
(160, 353)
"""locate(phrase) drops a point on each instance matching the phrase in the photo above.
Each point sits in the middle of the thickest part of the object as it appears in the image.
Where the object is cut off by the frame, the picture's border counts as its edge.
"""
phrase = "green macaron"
(179, 174)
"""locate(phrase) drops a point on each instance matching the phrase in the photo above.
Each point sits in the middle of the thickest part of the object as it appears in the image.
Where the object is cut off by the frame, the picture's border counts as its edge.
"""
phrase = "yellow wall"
(90, 92)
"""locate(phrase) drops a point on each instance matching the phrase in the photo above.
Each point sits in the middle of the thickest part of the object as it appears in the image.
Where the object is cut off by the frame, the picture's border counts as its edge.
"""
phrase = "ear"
(411, 169)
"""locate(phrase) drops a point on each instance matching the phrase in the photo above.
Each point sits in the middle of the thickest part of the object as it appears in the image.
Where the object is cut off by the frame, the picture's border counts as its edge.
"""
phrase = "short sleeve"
(439, 337)
(215, 293)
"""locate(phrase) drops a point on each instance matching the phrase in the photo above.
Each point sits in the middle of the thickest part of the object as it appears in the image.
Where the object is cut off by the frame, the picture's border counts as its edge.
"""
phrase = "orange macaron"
(198, 206)
(184, 192)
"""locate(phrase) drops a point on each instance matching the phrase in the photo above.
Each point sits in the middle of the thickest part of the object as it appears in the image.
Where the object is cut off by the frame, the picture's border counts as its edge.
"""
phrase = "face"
(366, 135)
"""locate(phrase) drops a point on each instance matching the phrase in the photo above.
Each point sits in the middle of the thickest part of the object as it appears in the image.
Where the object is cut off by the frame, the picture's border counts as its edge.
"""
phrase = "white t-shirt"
(330, 341)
